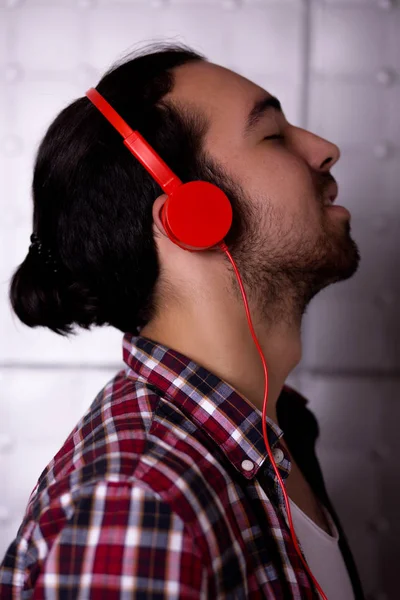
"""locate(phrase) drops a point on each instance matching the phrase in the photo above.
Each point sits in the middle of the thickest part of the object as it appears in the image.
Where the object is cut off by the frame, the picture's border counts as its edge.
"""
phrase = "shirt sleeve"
(122, 542)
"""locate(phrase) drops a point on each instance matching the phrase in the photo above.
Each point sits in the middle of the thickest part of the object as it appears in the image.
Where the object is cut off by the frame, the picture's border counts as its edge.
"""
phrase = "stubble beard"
(284, 270)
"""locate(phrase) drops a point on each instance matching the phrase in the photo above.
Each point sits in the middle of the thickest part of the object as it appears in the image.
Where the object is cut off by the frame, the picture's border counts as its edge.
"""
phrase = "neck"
(212, 330)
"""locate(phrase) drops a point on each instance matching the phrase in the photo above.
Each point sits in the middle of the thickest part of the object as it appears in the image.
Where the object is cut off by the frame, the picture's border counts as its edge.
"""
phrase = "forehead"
(224, 96)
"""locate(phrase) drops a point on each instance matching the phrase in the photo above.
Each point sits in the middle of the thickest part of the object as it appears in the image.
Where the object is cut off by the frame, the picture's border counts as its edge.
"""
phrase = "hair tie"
(43, 252)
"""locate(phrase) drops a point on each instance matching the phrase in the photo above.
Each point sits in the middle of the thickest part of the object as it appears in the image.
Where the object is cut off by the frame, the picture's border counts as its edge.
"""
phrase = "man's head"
(94, 204)
(288, 239)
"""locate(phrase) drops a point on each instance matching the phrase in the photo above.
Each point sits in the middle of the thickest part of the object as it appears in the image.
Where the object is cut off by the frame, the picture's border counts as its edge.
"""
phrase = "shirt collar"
(211, 403)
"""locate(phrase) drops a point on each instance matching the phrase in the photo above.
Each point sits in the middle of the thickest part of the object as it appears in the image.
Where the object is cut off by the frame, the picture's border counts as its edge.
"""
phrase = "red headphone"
(196, 216)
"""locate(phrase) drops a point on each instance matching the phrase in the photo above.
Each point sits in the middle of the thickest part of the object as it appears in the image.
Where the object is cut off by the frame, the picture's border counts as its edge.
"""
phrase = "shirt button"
(247, 465)
(278, 455)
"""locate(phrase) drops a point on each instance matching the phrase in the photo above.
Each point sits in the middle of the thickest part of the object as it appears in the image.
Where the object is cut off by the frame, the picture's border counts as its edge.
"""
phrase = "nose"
(320, 154)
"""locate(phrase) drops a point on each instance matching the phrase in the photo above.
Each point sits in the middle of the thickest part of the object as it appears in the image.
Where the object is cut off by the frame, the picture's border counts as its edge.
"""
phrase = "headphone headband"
(141, 149)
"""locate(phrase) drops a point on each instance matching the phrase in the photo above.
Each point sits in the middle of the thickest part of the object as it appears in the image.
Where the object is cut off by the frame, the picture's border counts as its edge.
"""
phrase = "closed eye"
(274, 137)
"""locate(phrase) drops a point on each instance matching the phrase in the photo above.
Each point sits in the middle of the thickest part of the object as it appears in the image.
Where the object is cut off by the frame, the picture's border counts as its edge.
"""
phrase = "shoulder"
(124, 434)
(133, 433)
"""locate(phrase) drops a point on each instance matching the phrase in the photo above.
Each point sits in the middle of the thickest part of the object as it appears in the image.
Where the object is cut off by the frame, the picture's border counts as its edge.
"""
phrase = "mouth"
(330, 194)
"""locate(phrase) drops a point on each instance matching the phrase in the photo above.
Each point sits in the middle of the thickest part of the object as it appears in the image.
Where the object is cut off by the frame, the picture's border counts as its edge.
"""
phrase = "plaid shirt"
(163, 490)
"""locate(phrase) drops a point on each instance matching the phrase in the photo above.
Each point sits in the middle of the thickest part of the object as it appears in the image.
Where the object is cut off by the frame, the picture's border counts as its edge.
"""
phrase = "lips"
(330, 194)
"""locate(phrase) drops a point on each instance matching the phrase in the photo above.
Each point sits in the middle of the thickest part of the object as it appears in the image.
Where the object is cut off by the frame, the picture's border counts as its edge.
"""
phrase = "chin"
(343, 263)
(338, 260)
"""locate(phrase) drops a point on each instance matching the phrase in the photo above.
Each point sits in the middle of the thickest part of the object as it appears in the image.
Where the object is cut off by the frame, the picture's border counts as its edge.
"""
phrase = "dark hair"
(93, 200)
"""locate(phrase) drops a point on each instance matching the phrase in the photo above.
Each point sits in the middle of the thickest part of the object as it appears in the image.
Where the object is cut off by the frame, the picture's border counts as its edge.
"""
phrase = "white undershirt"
(323, 554)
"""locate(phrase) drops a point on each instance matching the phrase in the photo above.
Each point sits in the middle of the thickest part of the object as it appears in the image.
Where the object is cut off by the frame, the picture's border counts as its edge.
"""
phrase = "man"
(164, 489)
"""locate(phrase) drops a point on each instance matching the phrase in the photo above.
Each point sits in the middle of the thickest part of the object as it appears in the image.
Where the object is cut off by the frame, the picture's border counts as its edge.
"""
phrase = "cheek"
(287, 204)
(287, 185)
(273, 170)
(279, 184)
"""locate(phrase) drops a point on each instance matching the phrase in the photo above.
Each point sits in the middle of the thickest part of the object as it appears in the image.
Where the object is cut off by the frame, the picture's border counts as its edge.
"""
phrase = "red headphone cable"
(224, 249)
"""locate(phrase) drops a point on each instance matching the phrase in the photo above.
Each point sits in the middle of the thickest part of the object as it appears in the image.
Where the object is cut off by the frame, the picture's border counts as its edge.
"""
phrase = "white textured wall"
(335, 65)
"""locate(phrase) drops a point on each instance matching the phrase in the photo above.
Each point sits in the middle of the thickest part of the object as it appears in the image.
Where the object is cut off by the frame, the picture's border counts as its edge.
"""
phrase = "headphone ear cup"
(197, 215)
(165, 222)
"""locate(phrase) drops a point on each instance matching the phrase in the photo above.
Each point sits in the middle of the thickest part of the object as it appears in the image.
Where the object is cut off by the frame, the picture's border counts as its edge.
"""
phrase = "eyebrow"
(260, 108)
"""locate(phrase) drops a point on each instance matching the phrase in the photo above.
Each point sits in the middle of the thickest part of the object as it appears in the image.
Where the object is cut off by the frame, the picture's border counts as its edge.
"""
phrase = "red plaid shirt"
(163, 490)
